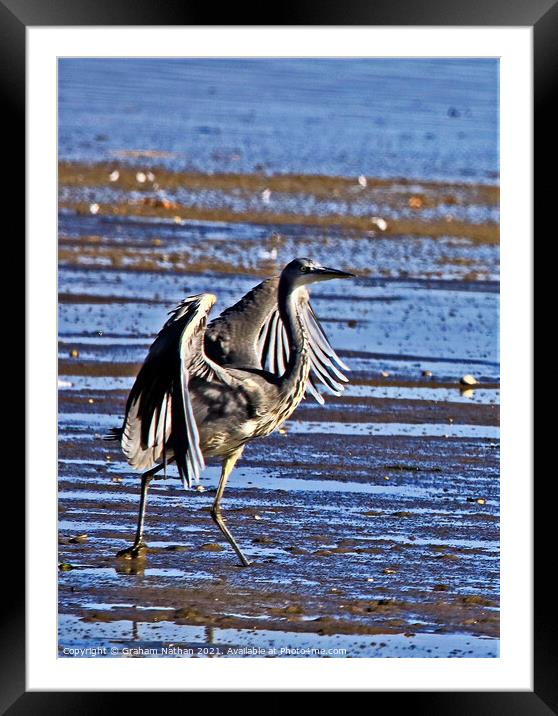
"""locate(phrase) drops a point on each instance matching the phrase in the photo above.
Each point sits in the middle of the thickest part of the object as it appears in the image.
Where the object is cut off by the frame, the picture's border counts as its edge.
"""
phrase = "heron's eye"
(305, 269)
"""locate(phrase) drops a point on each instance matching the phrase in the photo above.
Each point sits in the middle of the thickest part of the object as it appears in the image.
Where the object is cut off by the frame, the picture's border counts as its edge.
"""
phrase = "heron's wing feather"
(252, 334)
(159, 411)
(326, 367)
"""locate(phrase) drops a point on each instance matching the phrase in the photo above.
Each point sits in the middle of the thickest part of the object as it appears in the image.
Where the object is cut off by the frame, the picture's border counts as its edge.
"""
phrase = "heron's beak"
(324, 273)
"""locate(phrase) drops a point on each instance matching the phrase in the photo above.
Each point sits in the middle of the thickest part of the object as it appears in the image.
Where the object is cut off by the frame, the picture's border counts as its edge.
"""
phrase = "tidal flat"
(372, 521)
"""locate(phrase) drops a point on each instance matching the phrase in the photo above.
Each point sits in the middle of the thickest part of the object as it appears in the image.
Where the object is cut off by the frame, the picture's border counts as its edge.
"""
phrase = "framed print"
(380, 538)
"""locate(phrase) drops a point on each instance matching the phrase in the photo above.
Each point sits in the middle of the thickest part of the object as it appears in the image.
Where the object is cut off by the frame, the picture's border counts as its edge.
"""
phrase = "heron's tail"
(114, 434)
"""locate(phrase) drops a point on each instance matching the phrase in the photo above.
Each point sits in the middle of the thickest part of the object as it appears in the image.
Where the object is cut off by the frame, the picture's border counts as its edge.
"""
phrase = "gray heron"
(206, 389)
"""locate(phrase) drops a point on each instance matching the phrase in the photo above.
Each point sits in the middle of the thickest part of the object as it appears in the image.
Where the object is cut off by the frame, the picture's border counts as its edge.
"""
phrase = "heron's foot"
(136, 551)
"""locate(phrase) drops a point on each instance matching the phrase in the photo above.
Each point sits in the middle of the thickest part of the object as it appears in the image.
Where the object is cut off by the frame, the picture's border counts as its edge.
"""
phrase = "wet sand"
(372, 521)
(393, 207)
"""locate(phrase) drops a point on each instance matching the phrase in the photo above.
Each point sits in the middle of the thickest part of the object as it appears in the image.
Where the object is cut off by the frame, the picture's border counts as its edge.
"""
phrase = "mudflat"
(372, 521)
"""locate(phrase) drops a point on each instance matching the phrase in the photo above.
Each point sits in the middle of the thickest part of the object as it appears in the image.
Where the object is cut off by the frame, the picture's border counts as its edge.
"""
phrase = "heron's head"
(302, 271)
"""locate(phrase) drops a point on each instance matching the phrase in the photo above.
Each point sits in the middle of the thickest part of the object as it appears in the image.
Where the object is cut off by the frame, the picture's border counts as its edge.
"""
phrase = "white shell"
(468, 380)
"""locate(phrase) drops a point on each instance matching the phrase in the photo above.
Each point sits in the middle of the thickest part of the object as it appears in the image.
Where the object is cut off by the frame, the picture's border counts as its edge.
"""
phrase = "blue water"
(413, 118)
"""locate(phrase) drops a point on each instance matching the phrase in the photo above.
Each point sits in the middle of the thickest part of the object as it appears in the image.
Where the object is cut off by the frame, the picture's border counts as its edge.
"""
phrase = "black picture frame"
(15, 16)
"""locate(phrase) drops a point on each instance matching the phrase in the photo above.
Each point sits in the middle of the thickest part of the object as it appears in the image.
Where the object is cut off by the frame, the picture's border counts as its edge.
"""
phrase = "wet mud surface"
(373, 521)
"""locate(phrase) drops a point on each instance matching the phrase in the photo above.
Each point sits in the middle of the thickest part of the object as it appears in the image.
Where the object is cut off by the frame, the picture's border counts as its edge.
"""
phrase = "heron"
(206, 389)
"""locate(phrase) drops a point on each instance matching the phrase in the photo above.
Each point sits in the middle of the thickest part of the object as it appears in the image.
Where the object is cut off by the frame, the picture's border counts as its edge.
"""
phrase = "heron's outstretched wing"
(159, 412)
(251, 333)
(325, 365)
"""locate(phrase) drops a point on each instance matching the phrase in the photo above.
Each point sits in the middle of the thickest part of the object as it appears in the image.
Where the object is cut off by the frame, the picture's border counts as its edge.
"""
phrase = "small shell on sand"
(379, 222)
(468, 380)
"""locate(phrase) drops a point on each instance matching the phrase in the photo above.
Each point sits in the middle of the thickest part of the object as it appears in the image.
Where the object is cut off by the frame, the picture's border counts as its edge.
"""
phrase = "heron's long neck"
(293, 381)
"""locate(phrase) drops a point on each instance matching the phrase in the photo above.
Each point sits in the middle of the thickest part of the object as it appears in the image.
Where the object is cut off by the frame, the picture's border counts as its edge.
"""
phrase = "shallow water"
(392, 318)
(379, 117)
(455, 395)
(143, 639)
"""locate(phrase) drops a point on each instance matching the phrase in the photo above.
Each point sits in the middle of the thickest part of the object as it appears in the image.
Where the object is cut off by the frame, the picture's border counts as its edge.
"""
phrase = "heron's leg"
(226, 470)
(139, 545)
